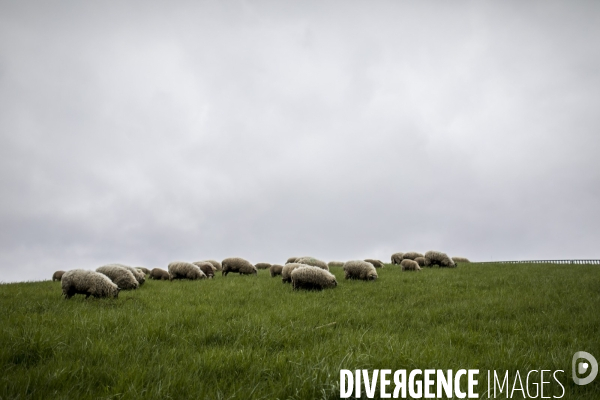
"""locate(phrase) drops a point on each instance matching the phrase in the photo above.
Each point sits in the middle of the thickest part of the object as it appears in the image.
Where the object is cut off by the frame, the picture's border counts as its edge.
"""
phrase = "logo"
(590, 364)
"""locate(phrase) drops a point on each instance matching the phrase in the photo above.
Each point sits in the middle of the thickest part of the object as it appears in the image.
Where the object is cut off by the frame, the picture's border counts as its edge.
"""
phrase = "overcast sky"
(147, 132)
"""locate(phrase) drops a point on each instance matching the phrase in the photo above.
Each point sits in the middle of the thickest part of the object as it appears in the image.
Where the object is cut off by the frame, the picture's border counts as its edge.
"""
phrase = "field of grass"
(244, 337)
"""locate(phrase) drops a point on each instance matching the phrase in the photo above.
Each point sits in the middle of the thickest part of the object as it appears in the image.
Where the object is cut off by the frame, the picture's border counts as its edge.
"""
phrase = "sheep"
(359, 269)
(286, 272)
(460, 260)
(312, 278)
(238, 265)
(262, 266)
(438, 258)
(146, 271)
(331, 264)
(397, 258)
(411, 255)
(410, 265)
(376, 263)
(313, 261)
(292, 260)
(184, 270)
(90, 283)
(420, 261)
(139, 276)
(159, 274)
(216, 264)
(206, 267)
(275, 270)
(57, 275)
(120, 276)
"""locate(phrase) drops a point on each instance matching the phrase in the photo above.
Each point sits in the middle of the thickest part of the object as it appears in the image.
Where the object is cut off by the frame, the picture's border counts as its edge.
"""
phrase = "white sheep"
(397, 258)
(206, 267)
(331, 264)
(238, 265)
(420, 261)
(358, 269)
(275, 270)
(312, 261)
(411, 255)
(312, 278)
(410, 265)
(460, 260)
(438, 258)
(120, 276)
(90, 283)
(262, 265)
(57, 275)
(184, 270)
(216, 264)
(376, 263)
(286, 272)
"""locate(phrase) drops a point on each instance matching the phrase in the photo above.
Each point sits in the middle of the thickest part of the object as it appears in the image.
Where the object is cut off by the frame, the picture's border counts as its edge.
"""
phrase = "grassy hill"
(242, 337)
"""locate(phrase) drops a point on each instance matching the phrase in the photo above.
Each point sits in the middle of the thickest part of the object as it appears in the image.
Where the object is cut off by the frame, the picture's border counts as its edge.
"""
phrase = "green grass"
(253, 337)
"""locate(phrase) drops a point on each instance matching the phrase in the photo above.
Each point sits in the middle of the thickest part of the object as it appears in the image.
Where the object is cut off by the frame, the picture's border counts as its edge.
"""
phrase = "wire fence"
(543, 262)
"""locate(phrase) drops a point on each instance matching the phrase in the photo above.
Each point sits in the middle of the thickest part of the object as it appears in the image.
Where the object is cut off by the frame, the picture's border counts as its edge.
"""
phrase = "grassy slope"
(247, 337)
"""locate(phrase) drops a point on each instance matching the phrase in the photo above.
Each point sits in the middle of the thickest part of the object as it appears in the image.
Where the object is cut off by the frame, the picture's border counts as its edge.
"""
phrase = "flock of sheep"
(302, 272)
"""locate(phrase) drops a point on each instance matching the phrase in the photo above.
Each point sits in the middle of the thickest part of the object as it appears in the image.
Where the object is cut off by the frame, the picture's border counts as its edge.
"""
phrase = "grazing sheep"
(185, 270)
(292, 260)
(275, 270)
(146, 271)
(312, 278)
(90, 283)
(159, 274)
(57, 275)
(206, 267)
(438, 258)
(410, 265)
(376, 263)
(238, 265)
(397, 258)
(335, 264)
(216, 264)
(286, 272)
(314, 262)
(140, 277)
(411, 255)
(460, 260)
(359, 269)
(420, 261)
(262, 266)
(120, 276)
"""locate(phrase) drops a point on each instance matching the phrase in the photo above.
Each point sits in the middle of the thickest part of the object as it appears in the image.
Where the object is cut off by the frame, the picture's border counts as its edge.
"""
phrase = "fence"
(543, 262)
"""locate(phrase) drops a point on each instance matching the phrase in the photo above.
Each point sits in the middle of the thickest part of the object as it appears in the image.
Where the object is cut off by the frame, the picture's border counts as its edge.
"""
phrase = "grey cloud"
(144, 132)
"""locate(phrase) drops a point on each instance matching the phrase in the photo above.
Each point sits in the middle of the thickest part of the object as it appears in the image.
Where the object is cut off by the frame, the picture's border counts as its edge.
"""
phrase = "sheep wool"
(397, 258)
(184, 270)
(286, 272)
(292, 260)
(159, 274)
(238, 265)
(312, 278)
(409, 265)
(331, 264)
(438, 258)
(120, 276)
(275, 270)
(358, 269)
(460, 260)
(206, 267)
(90, 283)
(420, 261)
(216, 264)
(146, 271)
(57, 275)
(262, 266)
(376, 263)
(411, 255)
(314, 262)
